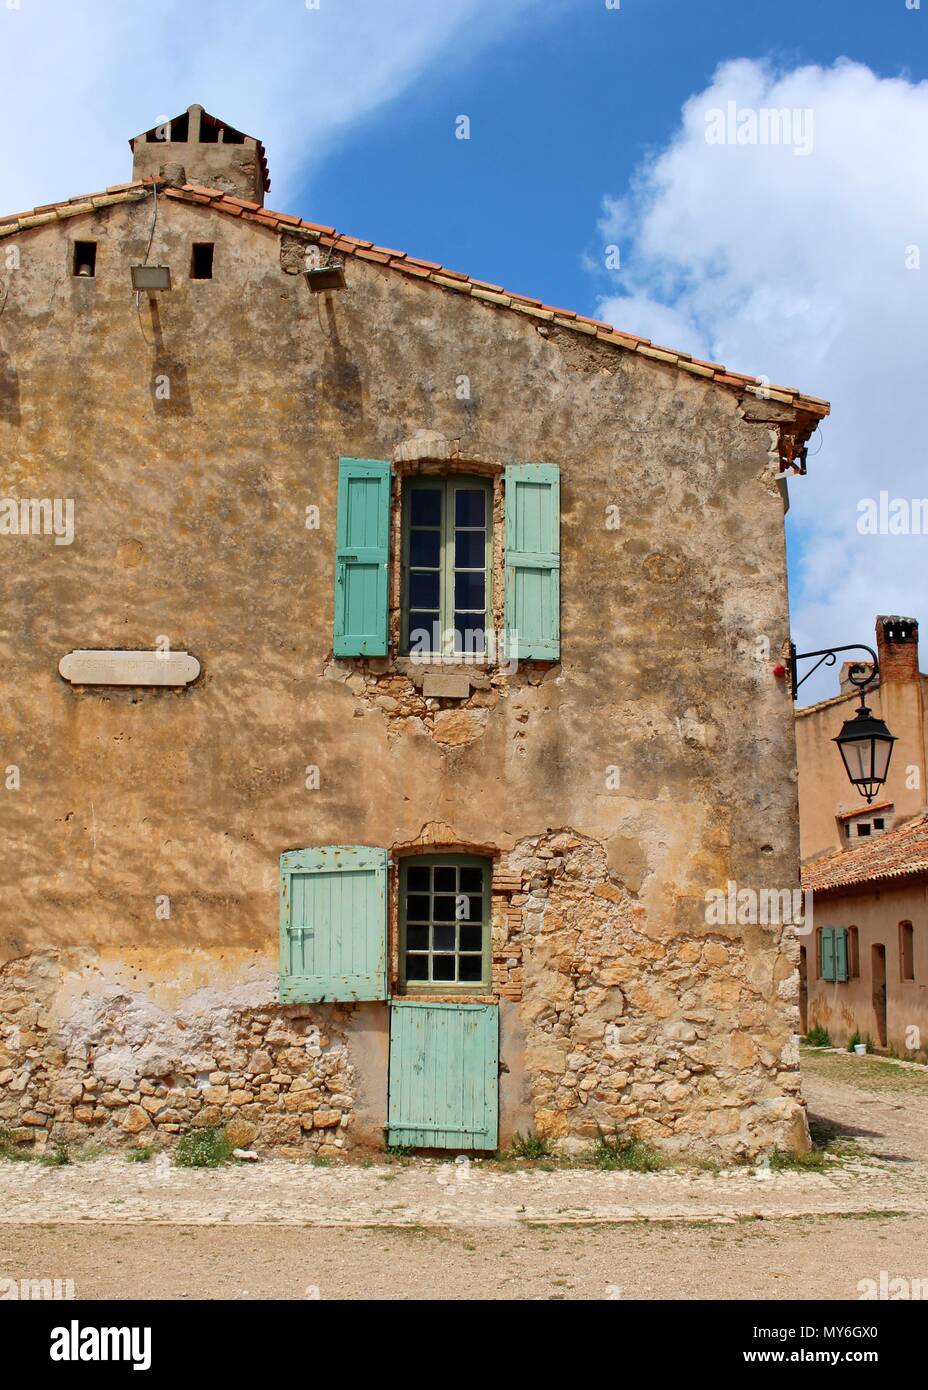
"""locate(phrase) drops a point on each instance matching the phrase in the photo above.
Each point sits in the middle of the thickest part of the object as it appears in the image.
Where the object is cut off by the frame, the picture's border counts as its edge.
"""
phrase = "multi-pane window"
(444, 921)
(446, 565)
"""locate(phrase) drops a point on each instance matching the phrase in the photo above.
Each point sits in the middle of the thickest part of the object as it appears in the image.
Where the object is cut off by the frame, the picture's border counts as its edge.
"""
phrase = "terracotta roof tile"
(898, 853)
(429, 271)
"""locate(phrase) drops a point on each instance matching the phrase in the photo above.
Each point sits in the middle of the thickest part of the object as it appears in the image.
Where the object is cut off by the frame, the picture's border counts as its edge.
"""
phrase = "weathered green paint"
(533, 561)
(333, 924)
(444, 1075)
(841, 971)
(362, 557)
(827, 953)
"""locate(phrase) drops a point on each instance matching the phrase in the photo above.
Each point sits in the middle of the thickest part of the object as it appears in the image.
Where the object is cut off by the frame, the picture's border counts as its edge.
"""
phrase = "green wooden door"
(444, 1075)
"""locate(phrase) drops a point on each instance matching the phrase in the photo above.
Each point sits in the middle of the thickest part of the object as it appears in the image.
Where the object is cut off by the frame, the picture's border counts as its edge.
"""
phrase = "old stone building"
(864, 972)
(388, 677)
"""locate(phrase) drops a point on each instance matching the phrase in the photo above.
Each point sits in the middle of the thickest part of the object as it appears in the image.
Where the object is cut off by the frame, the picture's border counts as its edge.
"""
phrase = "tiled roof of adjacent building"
(428, 272)
(899, 853)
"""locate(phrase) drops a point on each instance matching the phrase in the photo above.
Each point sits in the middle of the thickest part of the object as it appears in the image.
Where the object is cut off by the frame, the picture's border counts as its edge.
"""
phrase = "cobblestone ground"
(103, 1217)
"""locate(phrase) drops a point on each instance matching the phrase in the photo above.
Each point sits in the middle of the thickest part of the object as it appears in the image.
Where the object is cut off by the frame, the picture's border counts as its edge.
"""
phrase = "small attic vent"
(201, 261)
(84, 263)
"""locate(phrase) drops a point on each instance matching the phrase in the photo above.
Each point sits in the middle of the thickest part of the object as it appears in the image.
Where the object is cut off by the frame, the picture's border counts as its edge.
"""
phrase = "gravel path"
(884, 1109)
(429, 1230)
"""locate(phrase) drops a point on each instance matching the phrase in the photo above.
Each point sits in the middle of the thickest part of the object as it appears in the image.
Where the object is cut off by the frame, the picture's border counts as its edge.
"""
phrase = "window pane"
(417, 907)
(423, 589)
(470, 549)
(417, 938)
(474, 910)
(470, 507)
(469, 633)
(443, 909)
(443, 938)
(445, 878)
(424, 632)
(443, 967)
(470, 968)
(425, 506)
(425, 548)
(471, 880)
(417, 967)
(469, 591)
(417, 878)
(471, 938)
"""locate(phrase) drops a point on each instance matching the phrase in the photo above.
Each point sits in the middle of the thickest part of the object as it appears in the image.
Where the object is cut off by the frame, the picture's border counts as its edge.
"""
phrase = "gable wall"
(190, 524)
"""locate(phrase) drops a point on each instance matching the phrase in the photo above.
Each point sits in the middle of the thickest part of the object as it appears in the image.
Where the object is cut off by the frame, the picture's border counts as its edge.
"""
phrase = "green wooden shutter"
(827, 941)
(533, 561)
(444, 1075)
(841, 953)
(362, 544)
(333, 924)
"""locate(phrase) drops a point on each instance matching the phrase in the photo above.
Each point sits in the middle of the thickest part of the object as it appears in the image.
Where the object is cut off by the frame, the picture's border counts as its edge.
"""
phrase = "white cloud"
(78, 78)
(794, 267)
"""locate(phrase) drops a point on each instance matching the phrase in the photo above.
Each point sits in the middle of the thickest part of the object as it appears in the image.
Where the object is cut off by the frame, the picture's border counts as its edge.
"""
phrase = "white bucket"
(860, 1049)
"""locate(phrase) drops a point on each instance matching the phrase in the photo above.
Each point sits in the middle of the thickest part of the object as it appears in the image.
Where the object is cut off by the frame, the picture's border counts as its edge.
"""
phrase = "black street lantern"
(866, 746)
(865, 743)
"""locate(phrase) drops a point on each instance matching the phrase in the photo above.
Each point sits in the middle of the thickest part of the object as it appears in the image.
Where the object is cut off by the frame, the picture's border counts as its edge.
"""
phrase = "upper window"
(444, 922)
(447, 550)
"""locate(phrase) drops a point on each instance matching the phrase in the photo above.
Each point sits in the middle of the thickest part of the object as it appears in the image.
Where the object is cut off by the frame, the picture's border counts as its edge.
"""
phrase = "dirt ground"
(430, 1230)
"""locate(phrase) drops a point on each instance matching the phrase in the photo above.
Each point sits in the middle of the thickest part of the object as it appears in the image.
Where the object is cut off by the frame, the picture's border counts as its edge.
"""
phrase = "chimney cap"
(898, 629)
(188, 127)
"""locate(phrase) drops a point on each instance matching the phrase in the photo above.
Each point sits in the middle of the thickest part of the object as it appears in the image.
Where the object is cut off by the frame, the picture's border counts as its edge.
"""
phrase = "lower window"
(445, 922)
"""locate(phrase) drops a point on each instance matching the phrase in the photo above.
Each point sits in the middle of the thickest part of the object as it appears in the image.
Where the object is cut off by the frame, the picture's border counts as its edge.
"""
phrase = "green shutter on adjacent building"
(333, 924)
(827, 948)
(533, 562)
(444, 1075)
(362, 545)
(841, 973)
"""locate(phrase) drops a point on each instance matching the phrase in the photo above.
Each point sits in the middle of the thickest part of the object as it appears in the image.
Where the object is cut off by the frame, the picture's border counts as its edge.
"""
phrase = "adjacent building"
(864, 969)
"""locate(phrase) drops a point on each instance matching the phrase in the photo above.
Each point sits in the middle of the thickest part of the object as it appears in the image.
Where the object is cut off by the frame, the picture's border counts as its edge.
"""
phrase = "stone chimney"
(197, 148)
(897, 649)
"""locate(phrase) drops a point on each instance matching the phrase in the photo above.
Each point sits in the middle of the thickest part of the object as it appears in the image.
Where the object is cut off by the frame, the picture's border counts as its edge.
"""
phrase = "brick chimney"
(897, 649)
(201, 149)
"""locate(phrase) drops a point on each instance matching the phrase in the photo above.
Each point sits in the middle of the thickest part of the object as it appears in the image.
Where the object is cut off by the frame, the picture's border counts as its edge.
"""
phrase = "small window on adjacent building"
(201, 261)
(863, 828)
(85, 259)
(907, 951)
(447, 550)
(879, 823)
(444, 922)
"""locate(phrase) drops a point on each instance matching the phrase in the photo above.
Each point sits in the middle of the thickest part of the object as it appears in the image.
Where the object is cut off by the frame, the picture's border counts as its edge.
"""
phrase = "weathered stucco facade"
(611, 789)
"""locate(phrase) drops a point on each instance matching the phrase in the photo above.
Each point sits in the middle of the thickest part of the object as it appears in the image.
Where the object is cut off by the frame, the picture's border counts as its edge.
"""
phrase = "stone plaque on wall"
(129, 668)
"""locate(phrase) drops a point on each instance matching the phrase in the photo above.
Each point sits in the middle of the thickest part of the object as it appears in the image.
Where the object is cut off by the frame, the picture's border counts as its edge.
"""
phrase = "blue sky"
(588, 128)
(563, 111)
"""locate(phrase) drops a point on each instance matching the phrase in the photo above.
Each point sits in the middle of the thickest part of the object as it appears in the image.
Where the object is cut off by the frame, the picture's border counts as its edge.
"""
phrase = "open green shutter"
(841, 953)
(533, 561)
(362, 544)
(828, 953)
(333, 924)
